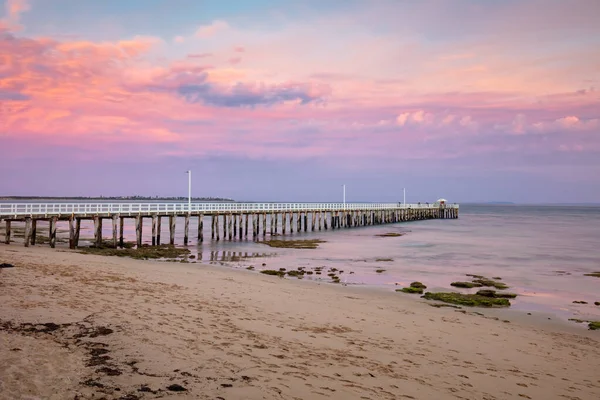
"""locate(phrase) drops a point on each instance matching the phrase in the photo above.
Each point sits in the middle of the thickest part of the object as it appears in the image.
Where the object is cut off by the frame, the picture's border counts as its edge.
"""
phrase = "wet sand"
(83, 326)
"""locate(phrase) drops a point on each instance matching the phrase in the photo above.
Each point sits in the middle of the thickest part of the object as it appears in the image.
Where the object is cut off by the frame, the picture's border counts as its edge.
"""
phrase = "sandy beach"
(75, 326)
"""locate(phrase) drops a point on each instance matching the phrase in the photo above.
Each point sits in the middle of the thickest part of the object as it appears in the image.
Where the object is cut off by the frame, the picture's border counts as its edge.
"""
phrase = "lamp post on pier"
(189, 172)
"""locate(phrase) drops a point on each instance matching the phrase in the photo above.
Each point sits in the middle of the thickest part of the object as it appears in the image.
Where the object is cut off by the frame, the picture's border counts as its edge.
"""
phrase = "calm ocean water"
(541, 252)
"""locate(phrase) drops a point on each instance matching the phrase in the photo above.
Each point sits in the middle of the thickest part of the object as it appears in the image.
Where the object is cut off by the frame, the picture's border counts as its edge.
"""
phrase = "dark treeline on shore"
(182, 198)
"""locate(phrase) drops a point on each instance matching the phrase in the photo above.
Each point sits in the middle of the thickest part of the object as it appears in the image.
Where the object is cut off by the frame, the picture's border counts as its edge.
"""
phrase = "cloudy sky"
(288, 100)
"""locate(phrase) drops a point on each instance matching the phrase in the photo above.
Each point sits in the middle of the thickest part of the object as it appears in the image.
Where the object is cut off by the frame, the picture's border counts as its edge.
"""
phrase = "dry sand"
(120, 328)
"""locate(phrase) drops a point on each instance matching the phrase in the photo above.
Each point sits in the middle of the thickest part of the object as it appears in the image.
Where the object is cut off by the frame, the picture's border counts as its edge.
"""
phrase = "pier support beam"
(33, 231)
(97, 231)
(235, 224)
(264, 218)
(7, 232)
(115, 218)
(27, 231)
(229, 226)
(246, 227)
(217, 226)
(154, 223)
(186, 229)
(77, 232)
(121, 229)
(71, 233)
(212, 227)
(52, 231)
(158, 229)
(284, 224)
(139, 221)
(172, 223)
(201, 228)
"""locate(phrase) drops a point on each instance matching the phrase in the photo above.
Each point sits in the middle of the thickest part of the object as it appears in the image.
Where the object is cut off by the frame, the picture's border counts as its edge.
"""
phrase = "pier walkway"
(229, 218)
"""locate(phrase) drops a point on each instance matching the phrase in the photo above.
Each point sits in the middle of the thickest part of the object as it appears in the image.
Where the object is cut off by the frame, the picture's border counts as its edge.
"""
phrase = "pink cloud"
(371, 102)
(199, 55)
(13, 11)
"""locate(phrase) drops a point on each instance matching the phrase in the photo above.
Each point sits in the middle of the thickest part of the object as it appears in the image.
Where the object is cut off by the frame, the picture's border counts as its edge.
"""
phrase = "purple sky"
(277, 100)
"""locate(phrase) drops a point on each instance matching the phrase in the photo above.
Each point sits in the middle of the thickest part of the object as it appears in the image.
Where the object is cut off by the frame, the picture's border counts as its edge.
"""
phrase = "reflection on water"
(233, 255)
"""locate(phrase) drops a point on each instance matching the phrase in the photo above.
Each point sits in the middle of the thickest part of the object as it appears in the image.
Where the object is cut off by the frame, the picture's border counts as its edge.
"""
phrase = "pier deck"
(230, 218)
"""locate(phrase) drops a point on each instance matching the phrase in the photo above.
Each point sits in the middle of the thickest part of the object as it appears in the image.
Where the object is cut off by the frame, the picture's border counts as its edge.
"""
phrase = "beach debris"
(145, 388)
(596, 274)
(471, 300)
(466, 285)
(497, 278)
(380, 270)
(384, 259)
(475, 276)
(293, 244)
(176, 388)
(597, 303)
(418, 285)
(390, 234)
(250, 268)
(493, 293)
(594, 325)
(579, 302)
(412, 290)
(6, 265)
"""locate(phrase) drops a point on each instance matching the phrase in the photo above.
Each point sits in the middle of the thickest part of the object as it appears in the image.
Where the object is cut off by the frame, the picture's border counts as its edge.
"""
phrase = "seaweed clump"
(490, 283)
(280, 274)
(418, 285)
(594, 325)
(294, 244)
(596, 274)
(297, 274)
(390, 234)
(410, 289)
(466, 285)
(470, 300)
(144, 252)
(494, 294)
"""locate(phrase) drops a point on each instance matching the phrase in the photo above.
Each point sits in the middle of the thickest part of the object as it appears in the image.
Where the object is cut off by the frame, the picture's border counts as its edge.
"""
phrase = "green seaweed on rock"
(418, 285)
(273, 272)
(471, 300)
(494, 294)
(411, 290)
(466, 285)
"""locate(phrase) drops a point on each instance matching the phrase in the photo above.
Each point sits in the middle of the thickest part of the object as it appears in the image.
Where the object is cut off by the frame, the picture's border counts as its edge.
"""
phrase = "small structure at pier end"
(233, 220)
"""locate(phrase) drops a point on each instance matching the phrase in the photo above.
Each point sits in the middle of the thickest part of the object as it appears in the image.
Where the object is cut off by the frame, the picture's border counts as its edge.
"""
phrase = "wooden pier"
(228, 221)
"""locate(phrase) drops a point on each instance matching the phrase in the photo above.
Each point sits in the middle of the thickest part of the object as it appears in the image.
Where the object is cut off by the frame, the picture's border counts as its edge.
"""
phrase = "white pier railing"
(13, 210)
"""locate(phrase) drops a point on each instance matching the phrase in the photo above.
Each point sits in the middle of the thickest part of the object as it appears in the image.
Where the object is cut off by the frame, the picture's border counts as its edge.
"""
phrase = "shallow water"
(525, 245)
